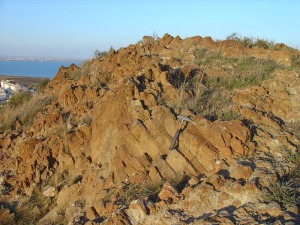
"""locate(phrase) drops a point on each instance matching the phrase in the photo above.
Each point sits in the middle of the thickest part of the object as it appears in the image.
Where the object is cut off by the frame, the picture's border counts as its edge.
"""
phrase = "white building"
(3, 95)
(10, 86)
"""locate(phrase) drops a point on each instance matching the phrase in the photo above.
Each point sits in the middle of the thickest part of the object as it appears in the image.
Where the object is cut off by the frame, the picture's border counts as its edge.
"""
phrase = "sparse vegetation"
(210, 95)
(202, 96)
(42, 84)
(295, 63)
(90, 67)
(19, 98)
(230, 115)
(251, 42)
(17, 110)
(151, 190)
(140, 191)
(100, 54)
(287, 188)
(32, 210)
(239, 72)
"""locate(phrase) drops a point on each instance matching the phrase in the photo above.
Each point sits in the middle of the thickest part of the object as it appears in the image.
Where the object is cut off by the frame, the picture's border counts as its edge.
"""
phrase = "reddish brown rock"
(91, 213)
(137, 211)
(241, 172)
(169, 192)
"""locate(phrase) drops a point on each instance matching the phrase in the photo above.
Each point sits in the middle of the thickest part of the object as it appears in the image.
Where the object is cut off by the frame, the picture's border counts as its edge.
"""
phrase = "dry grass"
(151, 190)
(42, 84)
(237, 72)
(251, 42)
(23, 110)
(204, 96)
(287, 188)
(210, 95)
(29, 211)
(140, 191)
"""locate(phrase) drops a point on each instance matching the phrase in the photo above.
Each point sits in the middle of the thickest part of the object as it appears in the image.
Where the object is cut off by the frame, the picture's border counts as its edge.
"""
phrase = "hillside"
(93, 147)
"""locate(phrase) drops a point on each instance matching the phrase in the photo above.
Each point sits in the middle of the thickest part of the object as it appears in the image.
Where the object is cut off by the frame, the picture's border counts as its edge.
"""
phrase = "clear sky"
(75, 29)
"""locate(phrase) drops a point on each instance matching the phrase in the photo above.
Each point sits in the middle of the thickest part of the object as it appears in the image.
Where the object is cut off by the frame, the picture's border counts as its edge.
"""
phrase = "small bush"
(100, 54)
(32, 210)
(234, 36)
(200, 53)
(26, 117)
(41, 85)
(295, 61)
(230, 115)
(251, 42)
(286, 189)
(262, 43)
(140, 191)
(19, 98)
(294, 157)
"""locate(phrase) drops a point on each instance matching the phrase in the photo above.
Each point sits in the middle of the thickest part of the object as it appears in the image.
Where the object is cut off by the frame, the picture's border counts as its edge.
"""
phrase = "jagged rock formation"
(107, 131)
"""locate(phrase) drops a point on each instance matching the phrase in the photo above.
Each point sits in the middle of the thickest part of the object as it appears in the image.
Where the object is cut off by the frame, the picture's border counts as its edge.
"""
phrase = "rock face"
(100, 149)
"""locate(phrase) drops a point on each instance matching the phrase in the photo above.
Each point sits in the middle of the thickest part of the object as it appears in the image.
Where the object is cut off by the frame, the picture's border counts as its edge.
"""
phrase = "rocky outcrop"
(108, 131)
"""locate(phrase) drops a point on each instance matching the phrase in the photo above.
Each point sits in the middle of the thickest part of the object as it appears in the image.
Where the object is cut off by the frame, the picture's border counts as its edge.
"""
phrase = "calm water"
(33, 68)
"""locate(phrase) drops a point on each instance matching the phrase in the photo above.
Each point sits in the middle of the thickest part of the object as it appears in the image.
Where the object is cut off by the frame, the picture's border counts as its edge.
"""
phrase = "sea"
(34, 68)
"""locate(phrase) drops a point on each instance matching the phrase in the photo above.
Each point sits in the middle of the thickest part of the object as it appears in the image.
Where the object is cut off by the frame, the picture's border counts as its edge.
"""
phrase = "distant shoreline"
(25, 80)
(19, 76)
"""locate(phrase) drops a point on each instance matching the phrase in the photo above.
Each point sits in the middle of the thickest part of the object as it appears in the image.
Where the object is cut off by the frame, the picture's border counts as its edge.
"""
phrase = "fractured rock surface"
(107, 133)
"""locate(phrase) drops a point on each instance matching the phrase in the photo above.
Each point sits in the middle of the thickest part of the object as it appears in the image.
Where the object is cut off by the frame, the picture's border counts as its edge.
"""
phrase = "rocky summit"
(94, 145)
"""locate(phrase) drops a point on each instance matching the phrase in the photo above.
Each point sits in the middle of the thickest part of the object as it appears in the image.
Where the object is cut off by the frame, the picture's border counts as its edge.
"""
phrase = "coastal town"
(9, 87)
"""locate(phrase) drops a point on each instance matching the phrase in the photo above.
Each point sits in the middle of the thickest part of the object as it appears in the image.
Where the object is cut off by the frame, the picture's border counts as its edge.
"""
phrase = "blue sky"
(75, 29)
